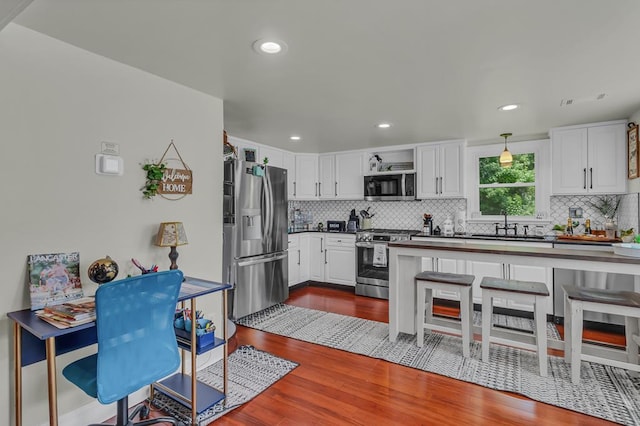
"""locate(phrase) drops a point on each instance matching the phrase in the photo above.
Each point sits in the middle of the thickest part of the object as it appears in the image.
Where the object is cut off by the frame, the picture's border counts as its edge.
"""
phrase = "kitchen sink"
(507, 237)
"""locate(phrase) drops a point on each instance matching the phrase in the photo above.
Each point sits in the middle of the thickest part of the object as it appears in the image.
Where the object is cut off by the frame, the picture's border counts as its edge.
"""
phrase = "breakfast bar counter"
(405, 262)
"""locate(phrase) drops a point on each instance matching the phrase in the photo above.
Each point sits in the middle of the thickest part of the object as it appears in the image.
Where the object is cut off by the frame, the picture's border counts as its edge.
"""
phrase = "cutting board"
(593, 238)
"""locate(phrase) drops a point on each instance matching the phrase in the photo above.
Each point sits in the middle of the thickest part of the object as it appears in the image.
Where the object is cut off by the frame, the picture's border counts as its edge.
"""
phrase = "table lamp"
(171, 234)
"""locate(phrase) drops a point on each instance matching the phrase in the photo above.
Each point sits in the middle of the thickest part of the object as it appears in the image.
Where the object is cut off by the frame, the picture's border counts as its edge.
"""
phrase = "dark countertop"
(557, 253)
(302, 231)
(532, 239)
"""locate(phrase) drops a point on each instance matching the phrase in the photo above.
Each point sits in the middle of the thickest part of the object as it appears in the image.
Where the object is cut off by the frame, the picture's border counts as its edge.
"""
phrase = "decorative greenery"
(154, 177)
(265, 160)
(607, 205)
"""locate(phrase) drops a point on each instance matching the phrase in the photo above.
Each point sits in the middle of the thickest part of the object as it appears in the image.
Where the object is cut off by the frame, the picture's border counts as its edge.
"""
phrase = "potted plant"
(154, 173)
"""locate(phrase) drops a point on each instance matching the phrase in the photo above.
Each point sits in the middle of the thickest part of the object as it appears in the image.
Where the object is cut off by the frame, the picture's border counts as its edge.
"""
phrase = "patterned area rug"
(250, 371)
(605, 392)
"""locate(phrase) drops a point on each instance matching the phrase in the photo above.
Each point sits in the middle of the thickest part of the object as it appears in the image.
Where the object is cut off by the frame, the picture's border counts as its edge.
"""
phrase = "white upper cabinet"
(340, 176)
(326, 176)
(349, 183)
(589, 159)
(289, 160)
(274, 156)
(306, 184)
(440, 170)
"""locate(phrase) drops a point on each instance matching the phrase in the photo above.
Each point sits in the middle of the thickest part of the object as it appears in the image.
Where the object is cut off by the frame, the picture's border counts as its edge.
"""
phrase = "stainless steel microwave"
(391, 187)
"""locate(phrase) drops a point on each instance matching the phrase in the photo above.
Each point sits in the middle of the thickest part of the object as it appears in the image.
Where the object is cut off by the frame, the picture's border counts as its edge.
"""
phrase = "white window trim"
(541, 149)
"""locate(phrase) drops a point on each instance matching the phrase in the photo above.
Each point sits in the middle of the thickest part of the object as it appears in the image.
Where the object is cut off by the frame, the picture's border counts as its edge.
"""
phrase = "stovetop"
(382, 235)
(388, 231)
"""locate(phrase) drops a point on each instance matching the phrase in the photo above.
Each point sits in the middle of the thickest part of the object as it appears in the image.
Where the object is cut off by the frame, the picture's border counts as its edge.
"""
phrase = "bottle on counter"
(587, 226)
(569, 230)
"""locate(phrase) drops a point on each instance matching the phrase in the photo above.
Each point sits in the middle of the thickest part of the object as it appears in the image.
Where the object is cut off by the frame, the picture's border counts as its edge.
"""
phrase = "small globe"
(103, 270)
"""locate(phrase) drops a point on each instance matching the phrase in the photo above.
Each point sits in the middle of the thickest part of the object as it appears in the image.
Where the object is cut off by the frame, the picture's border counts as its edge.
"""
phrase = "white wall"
(58, 103)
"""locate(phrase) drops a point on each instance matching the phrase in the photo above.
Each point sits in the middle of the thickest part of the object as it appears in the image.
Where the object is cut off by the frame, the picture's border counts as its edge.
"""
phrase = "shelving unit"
(185, 388)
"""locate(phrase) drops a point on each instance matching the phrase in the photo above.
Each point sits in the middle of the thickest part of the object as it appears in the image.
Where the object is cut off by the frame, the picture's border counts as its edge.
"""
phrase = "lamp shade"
(171, 234)
(506, 159)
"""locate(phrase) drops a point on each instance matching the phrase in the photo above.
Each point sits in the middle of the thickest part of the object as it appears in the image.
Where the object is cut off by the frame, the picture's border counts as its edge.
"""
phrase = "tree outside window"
(512, 189)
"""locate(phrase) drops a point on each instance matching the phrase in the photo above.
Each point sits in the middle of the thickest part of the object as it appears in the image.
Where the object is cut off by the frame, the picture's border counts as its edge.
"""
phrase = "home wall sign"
(177, 180)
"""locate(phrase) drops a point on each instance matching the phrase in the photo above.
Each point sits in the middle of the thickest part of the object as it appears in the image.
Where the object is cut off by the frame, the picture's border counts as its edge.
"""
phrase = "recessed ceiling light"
(295, 138)
(269, 47)
(383, 125)
(508, 107)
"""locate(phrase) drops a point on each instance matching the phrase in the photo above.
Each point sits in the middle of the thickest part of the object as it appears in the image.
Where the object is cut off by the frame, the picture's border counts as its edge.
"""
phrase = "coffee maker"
(354, 222)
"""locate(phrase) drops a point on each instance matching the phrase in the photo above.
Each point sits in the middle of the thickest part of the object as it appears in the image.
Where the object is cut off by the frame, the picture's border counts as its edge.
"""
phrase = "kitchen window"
(522, 190)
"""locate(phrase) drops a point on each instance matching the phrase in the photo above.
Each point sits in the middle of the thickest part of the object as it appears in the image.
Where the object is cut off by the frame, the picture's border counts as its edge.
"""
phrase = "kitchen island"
(405, 262)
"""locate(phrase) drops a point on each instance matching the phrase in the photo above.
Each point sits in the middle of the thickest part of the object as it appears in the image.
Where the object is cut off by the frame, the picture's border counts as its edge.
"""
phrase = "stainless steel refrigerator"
(255, 257)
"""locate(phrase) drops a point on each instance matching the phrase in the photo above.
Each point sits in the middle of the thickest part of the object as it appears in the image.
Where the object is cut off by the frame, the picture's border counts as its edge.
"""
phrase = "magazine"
(61, 322)
(75, 310)
(54, 279)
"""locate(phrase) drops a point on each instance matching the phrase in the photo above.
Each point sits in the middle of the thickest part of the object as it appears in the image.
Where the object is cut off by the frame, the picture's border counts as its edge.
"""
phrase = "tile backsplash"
(408, 214)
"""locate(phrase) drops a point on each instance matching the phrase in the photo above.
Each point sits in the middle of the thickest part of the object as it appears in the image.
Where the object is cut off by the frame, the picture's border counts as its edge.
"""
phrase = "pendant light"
(506, 159)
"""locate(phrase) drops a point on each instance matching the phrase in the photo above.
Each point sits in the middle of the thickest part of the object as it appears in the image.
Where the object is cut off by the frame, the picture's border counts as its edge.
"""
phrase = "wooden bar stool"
(426, 283)
(523, 291)
(579, 299)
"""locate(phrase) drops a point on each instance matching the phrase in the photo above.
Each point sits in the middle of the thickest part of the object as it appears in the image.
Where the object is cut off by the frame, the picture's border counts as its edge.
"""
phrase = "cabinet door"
(275, 157)
(607, 172)
(303, 246)
(326, 176)
(294, 260)
(485, 269)
(451, 170)
(341, 265)
(349, 184)
(306, 177)
(316, 257)
(532, 273)
(450, 266)
(290, 164)
(427, 171)
(569, 161)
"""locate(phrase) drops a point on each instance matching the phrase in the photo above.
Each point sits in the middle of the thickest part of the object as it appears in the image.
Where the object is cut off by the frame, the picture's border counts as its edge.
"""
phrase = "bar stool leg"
(576, 340)
(630, 330)
(420, 302)
(465, 320)
(487, 310)
(541, 334)
(567, 329)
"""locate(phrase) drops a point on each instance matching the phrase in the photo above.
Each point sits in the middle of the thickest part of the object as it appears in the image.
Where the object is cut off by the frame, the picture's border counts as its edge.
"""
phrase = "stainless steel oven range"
(372, 254)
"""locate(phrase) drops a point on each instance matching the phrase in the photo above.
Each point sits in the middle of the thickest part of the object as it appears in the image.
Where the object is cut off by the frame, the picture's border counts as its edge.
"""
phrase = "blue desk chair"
(136, 342)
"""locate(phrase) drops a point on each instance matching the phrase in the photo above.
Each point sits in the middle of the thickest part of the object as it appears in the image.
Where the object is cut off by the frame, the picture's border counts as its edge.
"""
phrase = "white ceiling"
(436, 69)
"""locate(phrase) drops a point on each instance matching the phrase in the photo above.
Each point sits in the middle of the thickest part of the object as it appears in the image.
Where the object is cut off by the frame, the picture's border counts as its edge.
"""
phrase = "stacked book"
(70, 314)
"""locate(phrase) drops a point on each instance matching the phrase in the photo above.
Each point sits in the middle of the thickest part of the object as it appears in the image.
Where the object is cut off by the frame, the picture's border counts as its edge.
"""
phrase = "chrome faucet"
(506, 226)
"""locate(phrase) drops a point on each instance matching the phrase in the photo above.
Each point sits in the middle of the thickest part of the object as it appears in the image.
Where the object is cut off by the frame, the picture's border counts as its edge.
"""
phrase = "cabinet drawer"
(341, 240)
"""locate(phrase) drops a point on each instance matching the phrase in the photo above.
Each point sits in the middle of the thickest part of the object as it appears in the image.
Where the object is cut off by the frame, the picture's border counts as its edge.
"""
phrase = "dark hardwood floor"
(332, 387)
(335, 387)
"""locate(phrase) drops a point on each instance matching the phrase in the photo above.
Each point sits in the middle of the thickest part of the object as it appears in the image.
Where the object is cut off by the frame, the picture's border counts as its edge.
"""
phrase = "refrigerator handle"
(268, 205)
(263, 259)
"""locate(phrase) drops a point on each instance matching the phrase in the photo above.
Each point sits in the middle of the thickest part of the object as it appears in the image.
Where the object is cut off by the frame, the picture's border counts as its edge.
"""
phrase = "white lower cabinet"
(340, 259)
(317, 245)
(325, 257)
(500, 269)
(294, 259)
(443, 265)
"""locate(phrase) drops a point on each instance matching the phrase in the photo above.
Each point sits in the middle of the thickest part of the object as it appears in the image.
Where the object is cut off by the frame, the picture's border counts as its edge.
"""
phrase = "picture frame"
(633, 164)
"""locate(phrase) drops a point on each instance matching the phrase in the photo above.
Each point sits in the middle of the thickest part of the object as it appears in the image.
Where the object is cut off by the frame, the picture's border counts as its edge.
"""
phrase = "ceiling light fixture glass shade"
(506, 159)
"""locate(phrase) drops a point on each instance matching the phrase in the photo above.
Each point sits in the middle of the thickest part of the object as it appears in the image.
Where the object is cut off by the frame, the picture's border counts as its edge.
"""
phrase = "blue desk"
(35, 340)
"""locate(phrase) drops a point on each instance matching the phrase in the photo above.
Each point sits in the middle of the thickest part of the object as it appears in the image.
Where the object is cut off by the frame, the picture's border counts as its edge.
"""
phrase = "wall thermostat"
(109, 165)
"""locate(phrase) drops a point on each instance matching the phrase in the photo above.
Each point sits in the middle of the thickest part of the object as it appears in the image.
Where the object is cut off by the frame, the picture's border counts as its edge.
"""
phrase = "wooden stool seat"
(579, 299)
(515, 286)
(446, 278)
(426, 283)
(523, 291)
